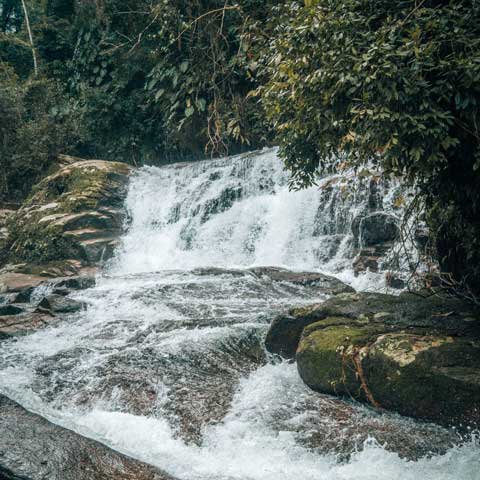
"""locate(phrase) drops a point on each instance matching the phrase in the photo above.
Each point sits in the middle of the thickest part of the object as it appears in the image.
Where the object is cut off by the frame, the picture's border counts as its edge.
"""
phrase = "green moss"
(80, 187)
(302, 311)
(324, 356)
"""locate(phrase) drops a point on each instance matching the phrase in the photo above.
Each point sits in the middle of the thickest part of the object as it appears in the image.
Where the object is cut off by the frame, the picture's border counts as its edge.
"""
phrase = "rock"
(393, 280)
(76, 283)
(75, 214)
(19, 282)
(24, 296)
(53, 269)
(10, 310)
(284, 334)
(329, 285)
(24, 323)
(417, 356)
(365, 261)
(375, 228)
(60, 304)
(33, 448)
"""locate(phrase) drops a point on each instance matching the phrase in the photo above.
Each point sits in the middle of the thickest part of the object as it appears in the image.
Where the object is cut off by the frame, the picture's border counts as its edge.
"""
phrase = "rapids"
(167, 362)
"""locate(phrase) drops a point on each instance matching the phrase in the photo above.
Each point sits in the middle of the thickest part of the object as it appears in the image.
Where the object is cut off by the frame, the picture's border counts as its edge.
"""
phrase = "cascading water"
(237, 212)
(167, 363)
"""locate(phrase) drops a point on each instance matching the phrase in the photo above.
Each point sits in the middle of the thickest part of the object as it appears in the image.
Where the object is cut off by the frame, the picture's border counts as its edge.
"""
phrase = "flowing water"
(167, 362)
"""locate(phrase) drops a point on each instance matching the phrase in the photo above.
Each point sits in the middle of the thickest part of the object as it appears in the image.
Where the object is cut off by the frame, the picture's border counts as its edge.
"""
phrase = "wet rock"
(60, 304)
(393, 280)
(33, 448)
(366, 261)
(220, 204)
(74, 214)
(10, 310)
(417, 356)
(76, 283)
(11, 325)
(24, 296)
(375, 228)
(329, 285)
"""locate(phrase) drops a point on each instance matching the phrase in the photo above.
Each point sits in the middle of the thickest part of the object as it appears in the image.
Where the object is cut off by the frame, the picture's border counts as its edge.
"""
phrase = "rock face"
(24, 309)
(74, 214)
(31, 448)
(417, 356)
(375, 228)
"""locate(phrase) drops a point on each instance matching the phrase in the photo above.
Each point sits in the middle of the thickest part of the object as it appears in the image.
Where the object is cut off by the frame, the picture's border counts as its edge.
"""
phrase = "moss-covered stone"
(50, 225)
(408, 311)
(419, 357)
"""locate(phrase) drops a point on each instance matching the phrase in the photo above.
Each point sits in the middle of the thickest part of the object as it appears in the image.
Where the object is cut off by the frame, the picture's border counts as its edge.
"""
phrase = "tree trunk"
(34, 53)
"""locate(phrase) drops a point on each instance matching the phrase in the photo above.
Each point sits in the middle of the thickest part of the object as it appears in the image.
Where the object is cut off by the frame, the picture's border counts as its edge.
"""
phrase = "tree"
(30, 37)
(391, 81)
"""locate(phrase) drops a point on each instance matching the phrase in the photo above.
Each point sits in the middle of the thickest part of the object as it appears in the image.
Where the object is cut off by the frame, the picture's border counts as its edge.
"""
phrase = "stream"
(167, 363)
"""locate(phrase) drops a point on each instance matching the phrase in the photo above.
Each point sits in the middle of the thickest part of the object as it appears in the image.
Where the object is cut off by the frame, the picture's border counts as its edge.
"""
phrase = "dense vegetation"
(397, 82)
(145, 80)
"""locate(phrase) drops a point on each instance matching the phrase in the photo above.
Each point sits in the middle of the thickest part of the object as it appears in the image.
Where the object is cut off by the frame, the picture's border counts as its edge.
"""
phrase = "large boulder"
(417, 356)
(284, 334)
(375, 228)
(74, 214)
(32, 448)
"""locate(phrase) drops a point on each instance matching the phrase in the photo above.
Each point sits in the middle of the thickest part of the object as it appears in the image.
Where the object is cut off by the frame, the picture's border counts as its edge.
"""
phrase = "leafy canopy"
(396, 80)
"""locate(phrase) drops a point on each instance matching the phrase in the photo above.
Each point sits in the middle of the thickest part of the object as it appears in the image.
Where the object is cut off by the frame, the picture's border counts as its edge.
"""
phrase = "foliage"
(33, 130)
(396, 82)
(166, 78)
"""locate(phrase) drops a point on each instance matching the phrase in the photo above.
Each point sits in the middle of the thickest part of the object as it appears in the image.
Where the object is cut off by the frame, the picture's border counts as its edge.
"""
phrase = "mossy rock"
(86, 196)
(417, 356)
(407, 311)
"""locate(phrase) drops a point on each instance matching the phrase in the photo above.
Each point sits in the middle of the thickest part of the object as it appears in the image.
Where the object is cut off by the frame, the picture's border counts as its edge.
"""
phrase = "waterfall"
(167, 362)
(239, 211)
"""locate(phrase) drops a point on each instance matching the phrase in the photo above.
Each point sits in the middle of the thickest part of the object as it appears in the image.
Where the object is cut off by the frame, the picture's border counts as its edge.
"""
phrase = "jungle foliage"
(146, 80)
(396, 82)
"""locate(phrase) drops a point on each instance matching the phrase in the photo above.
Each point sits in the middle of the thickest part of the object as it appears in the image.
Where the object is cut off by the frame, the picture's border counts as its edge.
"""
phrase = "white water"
(166, 364)
(239, 212)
